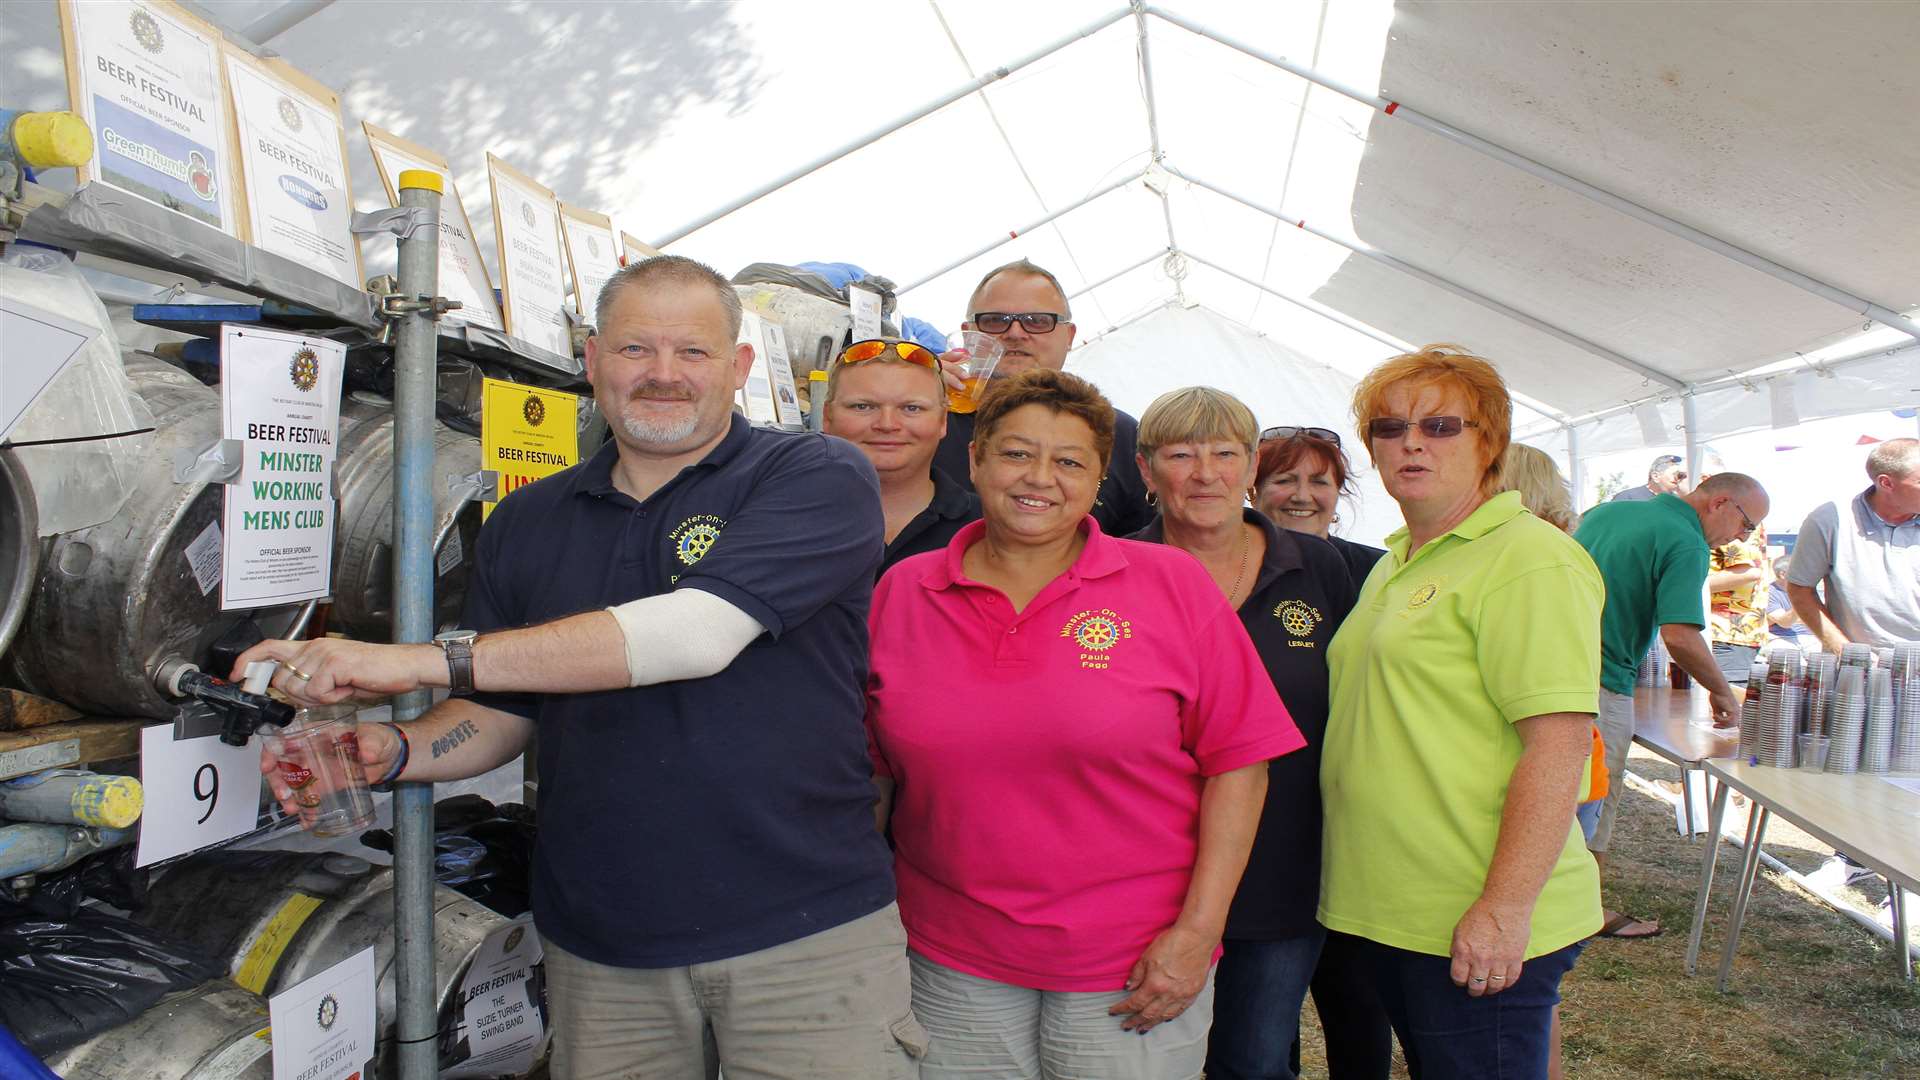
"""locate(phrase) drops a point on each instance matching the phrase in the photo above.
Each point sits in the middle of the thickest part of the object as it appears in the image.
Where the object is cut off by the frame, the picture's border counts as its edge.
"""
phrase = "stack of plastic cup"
(1653, 666)
(1750, 710)
(1857, 654)
(1846, 720)
(1876, 751)
(1780, 708)
(1906, 702)
(1822, 669)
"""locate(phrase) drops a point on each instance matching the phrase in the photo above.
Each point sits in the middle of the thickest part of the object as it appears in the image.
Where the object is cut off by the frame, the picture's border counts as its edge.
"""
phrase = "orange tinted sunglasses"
(909, 351)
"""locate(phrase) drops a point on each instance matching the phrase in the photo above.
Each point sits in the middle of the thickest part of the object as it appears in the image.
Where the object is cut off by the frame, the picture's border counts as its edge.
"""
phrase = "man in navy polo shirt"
(708, 872)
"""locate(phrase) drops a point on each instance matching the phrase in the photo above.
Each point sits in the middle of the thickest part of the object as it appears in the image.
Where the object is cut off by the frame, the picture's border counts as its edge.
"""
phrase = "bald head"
(1730, 506)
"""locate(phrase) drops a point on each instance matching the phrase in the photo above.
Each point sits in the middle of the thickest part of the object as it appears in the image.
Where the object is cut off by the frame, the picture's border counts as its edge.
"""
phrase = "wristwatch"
(458, 645)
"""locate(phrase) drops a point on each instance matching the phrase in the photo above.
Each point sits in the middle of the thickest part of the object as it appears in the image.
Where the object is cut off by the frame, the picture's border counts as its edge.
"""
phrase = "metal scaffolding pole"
(1117, 274)
(1690, 419)
(1576, 469)
(1156, 152)
(415, 345)
(928, 109)
(1014, 234)
(1877, 312)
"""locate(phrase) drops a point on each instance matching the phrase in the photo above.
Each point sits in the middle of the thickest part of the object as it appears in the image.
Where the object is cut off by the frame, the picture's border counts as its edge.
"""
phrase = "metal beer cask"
(19, 546)
(215, 1031)
(113, 600)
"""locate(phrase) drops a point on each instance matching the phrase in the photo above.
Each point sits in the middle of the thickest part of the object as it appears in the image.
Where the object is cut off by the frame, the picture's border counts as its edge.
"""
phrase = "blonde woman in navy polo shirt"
(1198, 453)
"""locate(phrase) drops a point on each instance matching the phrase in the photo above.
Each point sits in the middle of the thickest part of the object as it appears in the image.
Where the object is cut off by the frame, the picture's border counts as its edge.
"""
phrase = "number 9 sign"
(199, 792)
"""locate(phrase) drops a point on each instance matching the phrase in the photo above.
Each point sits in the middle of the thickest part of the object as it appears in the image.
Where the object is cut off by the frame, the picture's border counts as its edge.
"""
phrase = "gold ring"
(303, 675)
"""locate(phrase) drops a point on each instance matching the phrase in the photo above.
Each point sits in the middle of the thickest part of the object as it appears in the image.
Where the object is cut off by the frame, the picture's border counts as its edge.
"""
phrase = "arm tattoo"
(455, 735)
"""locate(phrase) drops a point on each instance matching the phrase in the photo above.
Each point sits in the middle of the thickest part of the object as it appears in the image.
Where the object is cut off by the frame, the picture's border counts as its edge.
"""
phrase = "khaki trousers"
(835, 1005)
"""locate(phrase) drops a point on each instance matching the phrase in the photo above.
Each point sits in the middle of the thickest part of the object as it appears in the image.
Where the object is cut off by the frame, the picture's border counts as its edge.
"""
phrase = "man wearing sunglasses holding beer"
(1024, 306)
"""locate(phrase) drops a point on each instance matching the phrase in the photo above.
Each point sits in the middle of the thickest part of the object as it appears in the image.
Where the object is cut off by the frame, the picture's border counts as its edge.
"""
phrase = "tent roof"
(1773, 126)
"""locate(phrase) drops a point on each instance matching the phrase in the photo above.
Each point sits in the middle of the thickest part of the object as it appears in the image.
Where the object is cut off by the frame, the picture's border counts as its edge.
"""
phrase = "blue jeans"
(1449, 1035)
(1258, 989)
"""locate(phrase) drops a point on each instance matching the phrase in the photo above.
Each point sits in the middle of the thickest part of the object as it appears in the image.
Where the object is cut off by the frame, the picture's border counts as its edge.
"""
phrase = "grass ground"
(1812, 994)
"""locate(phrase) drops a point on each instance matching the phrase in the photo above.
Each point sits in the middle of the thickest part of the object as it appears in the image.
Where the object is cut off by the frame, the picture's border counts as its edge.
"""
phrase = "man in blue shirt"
(680, 620)
(1666, 476)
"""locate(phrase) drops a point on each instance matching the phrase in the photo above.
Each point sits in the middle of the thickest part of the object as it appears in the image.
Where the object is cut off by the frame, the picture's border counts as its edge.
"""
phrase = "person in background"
(1783, 623)
(1864, 557)
(1292, 591)
(887, 397)
(1301, 475)
(1463, 691)
(1654, 558)
(1736, 603)
(1024, 306)
(1071, 734)
(709, 887)
(1666, 476)
(1549, 497)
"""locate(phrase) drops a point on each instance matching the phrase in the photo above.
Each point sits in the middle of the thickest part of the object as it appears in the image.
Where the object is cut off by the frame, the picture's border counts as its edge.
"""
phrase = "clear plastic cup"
(983, 355)
(1813, 752)
(319, 756)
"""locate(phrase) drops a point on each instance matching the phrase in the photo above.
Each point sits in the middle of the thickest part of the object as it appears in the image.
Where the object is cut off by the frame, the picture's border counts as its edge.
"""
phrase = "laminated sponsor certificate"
(533, 281)
(293, 157)
(463, 275)
(146, 76)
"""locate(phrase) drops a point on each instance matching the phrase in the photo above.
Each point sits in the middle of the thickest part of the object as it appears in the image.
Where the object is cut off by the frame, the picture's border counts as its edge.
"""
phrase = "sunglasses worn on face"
(1433, 427)
(905, 350)
(999, 322)
(1745, 521)
(1288, 431)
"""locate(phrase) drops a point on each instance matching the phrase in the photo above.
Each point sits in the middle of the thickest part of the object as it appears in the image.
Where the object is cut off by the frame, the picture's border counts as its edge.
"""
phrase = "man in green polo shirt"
(1653, 557)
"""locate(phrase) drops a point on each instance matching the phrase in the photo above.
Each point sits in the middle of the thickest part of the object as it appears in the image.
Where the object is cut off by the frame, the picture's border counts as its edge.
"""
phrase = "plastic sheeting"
(1178, 347)
(76, 484)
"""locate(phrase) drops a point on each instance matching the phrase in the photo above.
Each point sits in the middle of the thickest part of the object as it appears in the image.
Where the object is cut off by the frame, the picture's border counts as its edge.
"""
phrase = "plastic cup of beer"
(319, 756)
(983, 355)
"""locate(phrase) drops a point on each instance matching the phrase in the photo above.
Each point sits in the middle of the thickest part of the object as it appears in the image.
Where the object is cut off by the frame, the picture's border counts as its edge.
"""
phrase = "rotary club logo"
(1423, 595)
(526, 214)
(694, 537)
(1096, 633)
(534, 410)
(146, 31)
(328, 1012)
(304, 371)
(593, 245)
(289, 113)
(1298, 619)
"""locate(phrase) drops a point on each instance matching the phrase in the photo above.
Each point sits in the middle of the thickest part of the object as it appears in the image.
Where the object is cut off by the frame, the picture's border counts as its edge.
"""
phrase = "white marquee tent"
(1665, 223)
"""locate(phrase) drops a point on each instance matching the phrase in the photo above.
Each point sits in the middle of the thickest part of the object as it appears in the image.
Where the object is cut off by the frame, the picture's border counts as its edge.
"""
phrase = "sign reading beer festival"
(293, 155)
(463, 276)
(533, 282)
(146, 77)
(280, 398)
(525, 433)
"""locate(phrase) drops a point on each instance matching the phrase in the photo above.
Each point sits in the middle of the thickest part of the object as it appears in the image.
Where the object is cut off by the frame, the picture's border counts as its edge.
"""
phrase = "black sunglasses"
(1744, 519)
(1288, 431)
(999, 322)
(1434, 427)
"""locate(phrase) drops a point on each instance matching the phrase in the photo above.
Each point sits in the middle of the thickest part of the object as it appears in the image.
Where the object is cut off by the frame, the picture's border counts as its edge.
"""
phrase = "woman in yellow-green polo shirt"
(1462, 699)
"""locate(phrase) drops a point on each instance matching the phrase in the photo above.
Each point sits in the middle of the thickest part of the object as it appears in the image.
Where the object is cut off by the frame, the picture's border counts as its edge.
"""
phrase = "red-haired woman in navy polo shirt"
(1072, 733)
(1292, 590)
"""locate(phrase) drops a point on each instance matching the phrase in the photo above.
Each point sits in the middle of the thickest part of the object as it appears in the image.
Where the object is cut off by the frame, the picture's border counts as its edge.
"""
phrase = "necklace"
(1245, 549)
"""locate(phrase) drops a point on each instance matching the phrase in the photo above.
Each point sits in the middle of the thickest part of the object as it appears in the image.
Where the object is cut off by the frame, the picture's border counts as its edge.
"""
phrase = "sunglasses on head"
(1433, 427)
(999, 322)
(909, 351)
(1288, 431)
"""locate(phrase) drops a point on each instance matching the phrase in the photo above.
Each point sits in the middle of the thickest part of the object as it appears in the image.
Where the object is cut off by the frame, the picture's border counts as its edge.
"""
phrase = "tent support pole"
(1576, 469)
(1015, 234)
(1157, 153)
(1439, 282)
(1690, 416)
(1877, 312)
(928, 109)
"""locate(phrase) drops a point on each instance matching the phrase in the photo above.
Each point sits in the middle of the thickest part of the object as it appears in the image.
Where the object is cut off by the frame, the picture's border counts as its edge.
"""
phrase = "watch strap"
(459, 665)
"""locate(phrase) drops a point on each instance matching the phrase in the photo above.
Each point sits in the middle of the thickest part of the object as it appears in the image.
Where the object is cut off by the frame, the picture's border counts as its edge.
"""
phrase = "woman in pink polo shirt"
(1070, 733)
